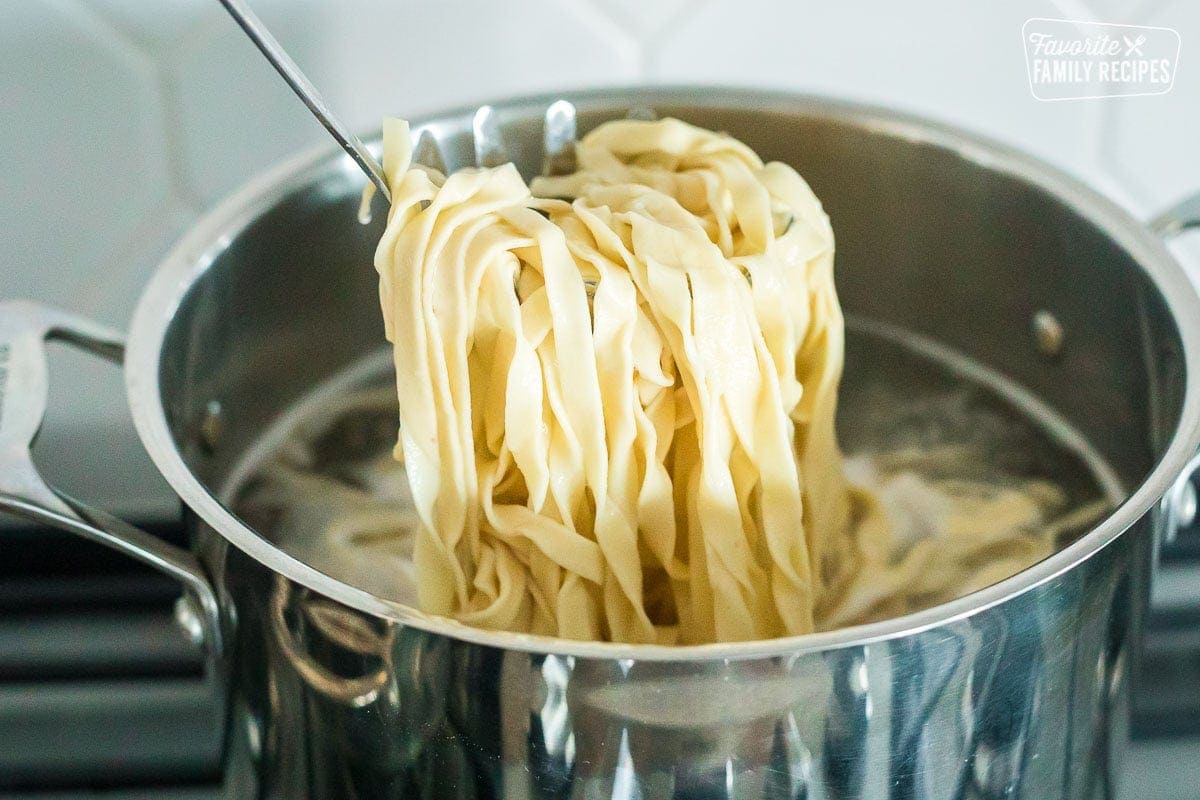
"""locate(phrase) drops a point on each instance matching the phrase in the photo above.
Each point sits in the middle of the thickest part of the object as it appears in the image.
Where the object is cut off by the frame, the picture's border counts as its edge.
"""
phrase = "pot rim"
(197, 250)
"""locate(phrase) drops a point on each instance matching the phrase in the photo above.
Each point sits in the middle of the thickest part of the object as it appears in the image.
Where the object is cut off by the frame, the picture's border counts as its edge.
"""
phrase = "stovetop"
(101, 693)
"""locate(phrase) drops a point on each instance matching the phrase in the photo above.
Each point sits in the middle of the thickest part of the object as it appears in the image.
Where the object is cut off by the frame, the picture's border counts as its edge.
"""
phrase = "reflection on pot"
(986, 708)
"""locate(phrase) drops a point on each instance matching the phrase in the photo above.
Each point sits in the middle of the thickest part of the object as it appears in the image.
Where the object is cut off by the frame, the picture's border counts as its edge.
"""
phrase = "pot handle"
(1180, 217)
(1181, 505)
(25, 327)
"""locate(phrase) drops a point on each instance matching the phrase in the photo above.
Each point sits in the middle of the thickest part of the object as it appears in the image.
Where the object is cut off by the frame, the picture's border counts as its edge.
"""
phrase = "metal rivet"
(1186, 506)
(211, 426)
(253, 734)
(1048, 332)
(187, 617)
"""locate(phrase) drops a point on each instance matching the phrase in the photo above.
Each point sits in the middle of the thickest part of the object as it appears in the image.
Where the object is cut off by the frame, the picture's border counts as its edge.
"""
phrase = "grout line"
(1108, 151)
(1076, 10)
(205, 28)
(178, 174)
(128, 50)
(148, 44)
(197, 29)
(612, 18)
(130, 253)
(1111, 158)
(648, 42)
(602, 21)
(102, 30)
(96, 22)
(166, 47)
(1094, 120)
(191, 43)
(1112, 176)
(142, 43)
(160, 70)
(652, 43)
(1150, 8)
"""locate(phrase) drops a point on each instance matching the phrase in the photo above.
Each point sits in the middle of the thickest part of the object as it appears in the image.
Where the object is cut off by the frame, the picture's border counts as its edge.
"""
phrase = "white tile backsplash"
(961, 62)
(1154, 147)
(82, 152)
(373, 58)
(646, 21)
(231, 114)
(154, 25)
(124, 119)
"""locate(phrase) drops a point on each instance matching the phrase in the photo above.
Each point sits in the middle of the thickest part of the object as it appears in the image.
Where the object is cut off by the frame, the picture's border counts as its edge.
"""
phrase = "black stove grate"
(99, 688)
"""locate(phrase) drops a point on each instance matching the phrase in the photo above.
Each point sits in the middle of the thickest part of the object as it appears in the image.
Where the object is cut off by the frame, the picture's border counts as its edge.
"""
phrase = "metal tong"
(559, 131)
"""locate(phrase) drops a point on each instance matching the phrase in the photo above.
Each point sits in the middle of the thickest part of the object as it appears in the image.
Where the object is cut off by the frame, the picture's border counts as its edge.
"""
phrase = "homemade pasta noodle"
(617, 392)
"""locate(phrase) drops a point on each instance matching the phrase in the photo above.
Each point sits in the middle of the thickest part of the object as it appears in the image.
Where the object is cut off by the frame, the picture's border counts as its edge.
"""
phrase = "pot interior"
(941, 259)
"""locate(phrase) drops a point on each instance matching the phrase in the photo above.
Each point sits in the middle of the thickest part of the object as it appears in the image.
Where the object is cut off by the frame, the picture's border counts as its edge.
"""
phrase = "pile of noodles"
(617, 392)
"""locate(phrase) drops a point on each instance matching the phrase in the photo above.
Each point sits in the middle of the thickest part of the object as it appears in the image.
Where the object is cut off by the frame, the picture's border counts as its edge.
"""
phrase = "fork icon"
(1134, 47)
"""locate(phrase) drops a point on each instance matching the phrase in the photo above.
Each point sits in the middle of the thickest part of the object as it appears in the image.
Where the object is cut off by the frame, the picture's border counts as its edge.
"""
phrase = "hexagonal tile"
(236, 116)
(962, 62)
(85, 154)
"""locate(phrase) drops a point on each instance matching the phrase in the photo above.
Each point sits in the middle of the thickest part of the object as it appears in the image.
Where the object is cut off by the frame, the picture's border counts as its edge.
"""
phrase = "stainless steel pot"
(1015, 691)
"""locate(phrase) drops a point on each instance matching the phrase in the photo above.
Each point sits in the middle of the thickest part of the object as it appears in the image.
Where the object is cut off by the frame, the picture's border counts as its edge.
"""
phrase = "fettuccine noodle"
(617, 392)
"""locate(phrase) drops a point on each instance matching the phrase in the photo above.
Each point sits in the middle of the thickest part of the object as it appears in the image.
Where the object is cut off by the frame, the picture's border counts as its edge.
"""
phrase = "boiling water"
(323, 486)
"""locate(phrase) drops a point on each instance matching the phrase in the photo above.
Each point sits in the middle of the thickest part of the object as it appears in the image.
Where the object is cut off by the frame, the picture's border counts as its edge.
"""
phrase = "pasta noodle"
(617, 392)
